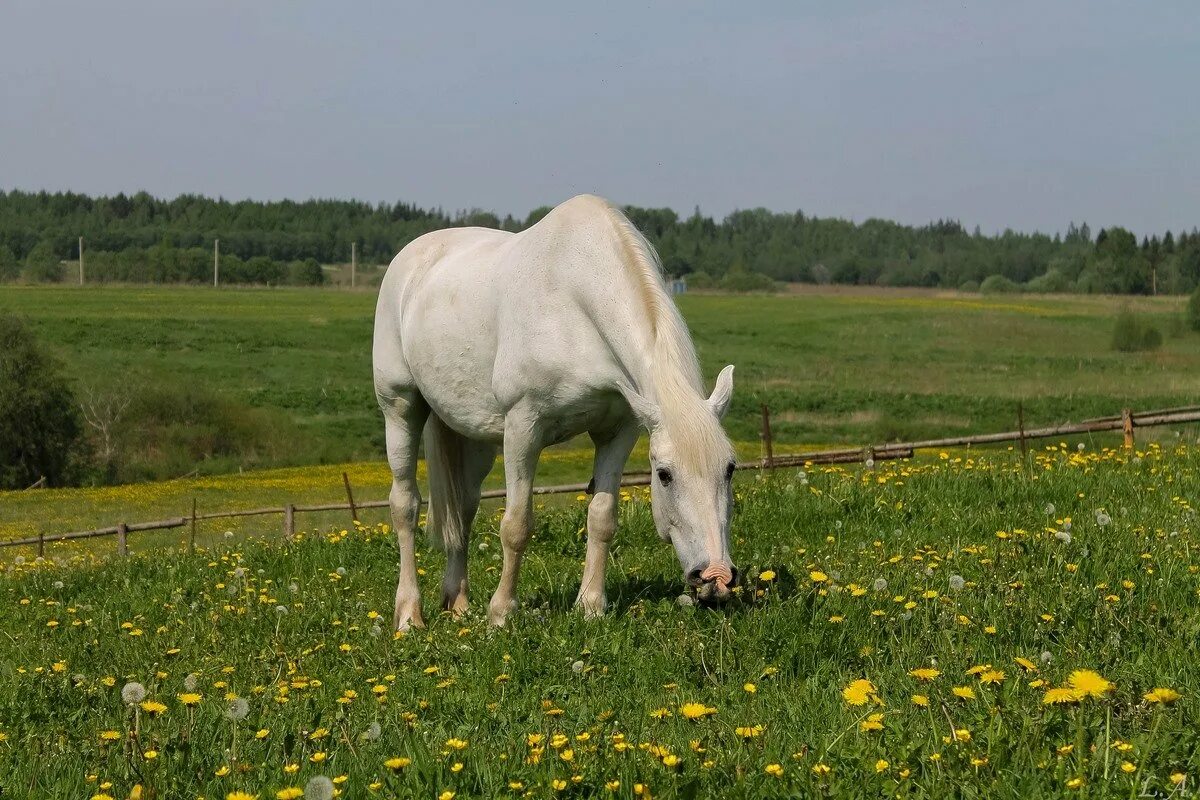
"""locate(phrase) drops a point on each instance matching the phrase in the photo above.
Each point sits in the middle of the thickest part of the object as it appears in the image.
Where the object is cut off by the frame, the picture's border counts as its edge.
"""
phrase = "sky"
(1022, 115)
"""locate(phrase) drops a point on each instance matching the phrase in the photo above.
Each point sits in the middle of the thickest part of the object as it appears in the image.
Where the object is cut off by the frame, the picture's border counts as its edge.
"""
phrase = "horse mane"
(678, 386)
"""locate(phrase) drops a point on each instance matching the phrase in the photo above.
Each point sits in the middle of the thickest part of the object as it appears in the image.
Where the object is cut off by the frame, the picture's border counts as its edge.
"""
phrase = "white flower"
(880, 585)
(1079, 447)
(281, 609)
(957, 583)
(1049, 510)
(870, 462)
(58, 584)
(238, 709)
(1045, 657)
(133, 693)
(318, 788)
(1063, 537)
(239, 573)
(373, 732)
(1102, 519)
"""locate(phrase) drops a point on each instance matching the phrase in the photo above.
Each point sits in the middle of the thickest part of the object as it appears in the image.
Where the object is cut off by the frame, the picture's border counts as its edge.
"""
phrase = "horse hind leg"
(404, 416)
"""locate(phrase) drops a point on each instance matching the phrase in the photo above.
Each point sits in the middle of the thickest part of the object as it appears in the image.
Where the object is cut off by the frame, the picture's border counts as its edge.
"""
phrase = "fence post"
(192, 540)
(41, 542)
(122, 539)
(289, 522)
(1021, 431)
(1127, 427)
(769, 461)
(350, 497)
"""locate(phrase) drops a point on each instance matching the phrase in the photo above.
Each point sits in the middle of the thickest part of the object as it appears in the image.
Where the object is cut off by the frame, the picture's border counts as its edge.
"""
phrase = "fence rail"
(1126, 421)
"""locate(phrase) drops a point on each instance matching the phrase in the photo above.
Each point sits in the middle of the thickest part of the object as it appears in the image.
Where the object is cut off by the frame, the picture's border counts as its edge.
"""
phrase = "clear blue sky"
(1012, 114)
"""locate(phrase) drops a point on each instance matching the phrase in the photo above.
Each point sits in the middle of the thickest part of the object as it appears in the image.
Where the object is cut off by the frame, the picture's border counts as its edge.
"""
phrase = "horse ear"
(646, 412)
(722, 392)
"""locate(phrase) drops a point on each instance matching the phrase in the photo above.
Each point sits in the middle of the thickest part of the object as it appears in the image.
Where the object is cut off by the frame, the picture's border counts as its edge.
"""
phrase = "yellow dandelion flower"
(816, 576)
(774, 770)
(920, 700)
(1128, 766)
(1089, 683)
(747, 732)
(964, 692)
(1074, 783)
(190, 698)
(859, 692)
(1162, 695)
(457, 744)
(660, 713)
(766, 575)
(992, 676)
(241, 796)
(696, 710)
(1025, 664)
(290, 793)
(399, 762)
(1061, 696)
(881, 765)
(872, 723)
(821, 770)
(924, 673)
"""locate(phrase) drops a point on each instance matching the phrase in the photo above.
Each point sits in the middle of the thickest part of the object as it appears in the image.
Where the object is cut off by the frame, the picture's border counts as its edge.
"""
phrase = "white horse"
(487, 339)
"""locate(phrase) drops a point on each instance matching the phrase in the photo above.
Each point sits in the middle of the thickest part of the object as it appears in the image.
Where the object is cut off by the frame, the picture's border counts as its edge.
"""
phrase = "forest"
(140, 238)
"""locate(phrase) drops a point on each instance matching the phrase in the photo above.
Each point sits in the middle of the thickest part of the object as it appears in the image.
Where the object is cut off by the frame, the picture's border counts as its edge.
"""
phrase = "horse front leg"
(611, 455)
(522, 447)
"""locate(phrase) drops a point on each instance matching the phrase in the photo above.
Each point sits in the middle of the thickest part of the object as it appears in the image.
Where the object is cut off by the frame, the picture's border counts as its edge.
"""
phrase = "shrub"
(10, 268)
(969, 286)
(306, 273)
(1193, 311)
(998, 284)
(40, 431)
(700, 280)
(42, 265)
(1052, 281)
(743, 281)
(1131, 334)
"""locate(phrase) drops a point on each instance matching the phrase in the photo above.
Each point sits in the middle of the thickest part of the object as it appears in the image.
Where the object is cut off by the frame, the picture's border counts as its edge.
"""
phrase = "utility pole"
(216, 262)
(353, 263)
(81, 261)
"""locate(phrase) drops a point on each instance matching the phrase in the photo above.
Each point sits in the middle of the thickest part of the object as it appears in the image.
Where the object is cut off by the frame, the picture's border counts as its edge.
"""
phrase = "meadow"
(960, 625)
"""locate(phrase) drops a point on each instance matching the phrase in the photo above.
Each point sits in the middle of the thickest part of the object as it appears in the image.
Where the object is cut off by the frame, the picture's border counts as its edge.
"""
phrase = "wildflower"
(872, 723)
(696, 710)
(373, 732)
(821, 770)
(190, 682)
(457, 744)
(318, 757)
(1061, 696)
(957, 583)
(241, 796)
(1025, 664)
(397, 763)
(766, 576)
(880, 585)
(1074, 783)
(992, 676)
(262, 733)
(818, 577)
(660, 713)
(1128, 766)
(748, 732)
(1063, 536)
(1089, 683)
(1162, 695)
(1177, 778)
(881, 765)
(133, 693)
(290, 793)
(774, 770)
(749, 688)
(920, 700)
(318, 788)
(189, 698)
(859, 692)
(964, 692)
(924, 673)
(150, 755)
(109, 736)
(153, 707)
(222, 771)
(1102, 519)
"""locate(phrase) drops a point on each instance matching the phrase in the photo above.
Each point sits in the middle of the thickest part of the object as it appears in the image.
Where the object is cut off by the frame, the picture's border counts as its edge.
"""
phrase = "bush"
(700, 280)
(306, 273)
(10, 267)
(969, 286)
(42, 265)
(998, 284)
(1193, 311)
(1131, 334)
(40, 430)
(1053, 281)
(743, 281)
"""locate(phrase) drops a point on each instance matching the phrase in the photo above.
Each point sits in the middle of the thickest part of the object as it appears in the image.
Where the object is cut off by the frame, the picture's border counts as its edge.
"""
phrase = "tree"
(40, 430)
(10, 268)
(1193, 311)
(42, 265)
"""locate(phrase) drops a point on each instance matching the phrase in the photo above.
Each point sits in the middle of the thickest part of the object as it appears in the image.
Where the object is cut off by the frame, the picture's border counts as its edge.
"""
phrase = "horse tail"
(444, 461)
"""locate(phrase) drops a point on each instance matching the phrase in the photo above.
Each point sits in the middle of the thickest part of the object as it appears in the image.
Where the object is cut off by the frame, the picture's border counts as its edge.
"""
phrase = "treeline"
(142, 238)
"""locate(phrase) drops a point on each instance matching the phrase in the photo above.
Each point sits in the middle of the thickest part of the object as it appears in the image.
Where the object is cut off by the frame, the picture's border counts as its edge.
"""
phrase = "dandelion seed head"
(374, 731)
(133, 693)
(577, 667)
(1063, 536)
(58, 584)
(318, 788)
(1045, 657)
(957, 583)
(238, 709)
(1049, 510)
(293, 588)
(341, 571)
(281, 609)
(190, 682)
(880, 585)
(1102, 519)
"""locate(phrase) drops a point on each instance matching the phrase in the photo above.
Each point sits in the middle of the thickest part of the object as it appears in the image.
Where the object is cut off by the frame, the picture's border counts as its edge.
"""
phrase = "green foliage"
(743, 281)
(1193, 310)
(969, 286)
(42, 265)
(10, 267)
(141, 238)
(305, 273)
(40, 429)
(1052, 282)
(998, 284)
(1132, 334)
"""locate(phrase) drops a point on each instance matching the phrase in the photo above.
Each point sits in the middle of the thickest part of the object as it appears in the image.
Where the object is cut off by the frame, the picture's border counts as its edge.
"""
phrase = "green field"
(1047, 657)
(253, 378)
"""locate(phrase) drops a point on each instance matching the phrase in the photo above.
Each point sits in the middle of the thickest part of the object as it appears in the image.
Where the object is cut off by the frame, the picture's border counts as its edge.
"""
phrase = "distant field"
(834, 365)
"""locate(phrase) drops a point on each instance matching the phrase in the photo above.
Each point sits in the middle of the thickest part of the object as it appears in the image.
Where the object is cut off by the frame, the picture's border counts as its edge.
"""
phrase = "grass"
(956, 564)
(834, 365)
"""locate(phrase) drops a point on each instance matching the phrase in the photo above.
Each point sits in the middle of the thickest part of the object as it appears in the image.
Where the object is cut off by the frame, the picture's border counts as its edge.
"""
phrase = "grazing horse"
(486, 339)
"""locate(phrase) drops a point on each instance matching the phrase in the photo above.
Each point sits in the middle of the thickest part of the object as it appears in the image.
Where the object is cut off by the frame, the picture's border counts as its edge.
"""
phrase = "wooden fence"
(1127, 421)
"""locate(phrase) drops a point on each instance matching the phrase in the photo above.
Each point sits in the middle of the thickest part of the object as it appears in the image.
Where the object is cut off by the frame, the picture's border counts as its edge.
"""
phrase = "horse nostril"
(693, 577)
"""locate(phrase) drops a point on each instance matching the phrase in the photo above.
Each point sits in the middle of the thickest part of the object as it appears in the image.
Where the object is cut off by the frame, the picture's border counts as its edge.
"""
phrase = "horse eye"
(729, 471)
(664, 477)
